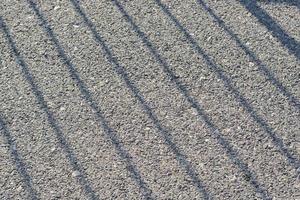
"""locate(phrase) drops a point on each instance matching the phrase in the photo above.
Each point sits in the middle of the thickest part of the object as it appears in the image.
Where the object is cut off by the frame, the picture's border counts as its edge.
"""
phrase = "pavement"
(140, 99)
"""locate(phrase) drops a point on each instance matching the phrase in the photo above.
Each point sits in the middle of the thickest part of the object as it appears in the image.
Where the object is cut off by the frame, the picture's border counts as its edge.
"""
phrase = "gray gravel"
(160, 99)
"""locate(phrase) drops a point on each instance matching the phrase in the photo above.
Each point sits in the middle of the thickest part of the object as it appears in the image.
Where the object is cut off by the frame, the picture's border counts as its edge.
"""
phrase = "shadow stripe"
(261, 67)
(120, 70)
(17, 160)
(86, 95)
(293, 161)
(232, 154)
(73, 161)
(273, 27)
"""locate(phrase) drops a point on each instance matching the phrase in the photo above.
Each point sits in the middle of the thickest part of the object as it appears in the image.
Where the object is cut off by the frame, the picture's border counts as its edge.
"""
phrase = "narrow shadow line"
(273, 27)
(110, 133)
(261, 67)
(120, 70)
(73, 161)
(293, 161)
(17, 160)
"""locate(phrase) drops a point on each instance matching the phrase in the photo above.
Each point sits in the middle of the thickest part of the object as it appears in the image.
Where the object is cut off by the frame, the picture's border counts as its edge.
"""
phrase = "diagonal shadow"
(121, 71)
(261, 67)
(17, 160)
(293, 160)
(110, 133)
(228, 84)
(73, 161)
(232, 154)
(273, 27)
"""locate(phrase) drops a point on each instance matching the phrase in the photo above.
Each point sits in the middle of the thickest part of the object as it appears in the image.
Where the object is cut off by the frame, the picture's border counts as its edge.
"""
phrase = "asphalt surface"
(160, 99)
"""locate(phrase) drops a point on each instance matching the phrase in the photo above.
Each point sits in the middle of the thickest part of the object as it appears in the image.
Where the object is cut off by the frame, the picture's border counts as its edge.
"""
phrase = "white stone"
(76, 173)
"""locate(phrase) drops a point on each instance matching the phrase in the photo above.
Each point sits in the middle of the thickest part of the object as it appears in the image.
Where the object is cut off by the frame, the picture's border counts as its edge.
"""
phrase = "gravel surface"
(139, 99)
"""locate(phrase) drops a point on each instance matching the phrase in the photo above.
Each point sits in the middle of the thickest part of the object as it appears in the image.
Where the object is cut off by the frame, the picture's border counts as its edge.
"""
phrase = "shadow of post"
(121, 71)
(17, 160)
(73, 161)
(273, 27)
(261, 67)
(86, 95)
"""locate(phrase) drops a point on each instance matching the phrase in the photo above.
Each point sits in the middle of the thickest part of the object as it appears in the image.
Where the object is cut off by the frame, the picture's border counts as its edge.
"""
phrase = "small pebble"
(233, 178)
(208, 39)
(270, 37)
(52, 192)
(101, 84)
(201, 165)
(227, 130)
(19, 189)
(53, 149)
(29, 148)
(76, 173)
(298, 170)
(202, 78)
(194, 111)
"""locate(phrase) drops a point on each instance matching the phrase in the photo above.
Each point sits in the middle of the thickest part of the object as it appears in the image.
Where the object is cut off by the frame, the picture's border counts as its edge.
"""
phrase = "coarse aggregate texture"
(140, 99)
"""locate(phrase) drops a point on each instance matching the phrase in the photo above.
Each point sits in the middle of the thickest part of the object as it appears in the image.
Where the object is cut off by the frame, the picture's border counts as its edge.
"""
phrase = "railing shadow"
(86, 95)
(293, 161)
(233, 155)
(73, 161)
(17, 160)
(294, 101)
(121, 71)
(273, 27)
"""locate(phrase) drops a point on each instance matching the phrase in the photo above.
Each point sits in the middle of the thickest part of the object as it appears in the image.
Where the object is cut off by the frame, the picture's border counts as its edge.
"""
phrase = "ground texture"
(149, 99)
